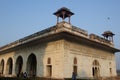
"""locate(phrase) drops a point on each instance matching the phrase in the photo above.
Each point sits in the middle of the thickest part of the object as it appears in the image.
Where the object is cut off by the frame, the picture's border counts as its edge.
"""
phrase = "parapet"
(65, 26)
(101, 40)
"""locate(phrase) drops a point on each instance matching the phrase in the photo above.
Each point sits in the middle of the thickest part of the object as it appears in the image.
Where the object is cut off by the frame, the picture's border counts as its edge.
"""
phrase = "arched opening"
(49, 61)
(49, 67)
(75, 65)
(31, 65)
(9, 66)
(75, 60)
(19, 64)
(2, 67)
(110, 68)
(95, 69)
(110, 71)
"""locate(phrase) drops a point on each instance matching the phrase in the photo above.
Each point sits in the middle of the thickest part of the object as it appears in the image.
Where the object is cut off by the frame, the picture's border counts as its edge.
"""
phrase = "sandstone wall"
(85, 56)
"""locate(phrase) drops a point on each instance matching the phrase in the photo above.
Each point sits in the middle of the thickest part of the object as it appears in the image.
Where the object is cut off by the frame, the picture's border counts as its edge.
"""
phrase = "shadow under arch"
(9, 66)
(2, 66)
(19, 65)
(31, 65)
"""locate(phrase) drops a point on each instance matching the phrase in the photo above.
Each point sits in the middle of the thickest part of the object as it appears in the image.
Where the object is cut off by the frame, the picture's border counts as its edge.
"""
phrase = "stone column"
(13, 68)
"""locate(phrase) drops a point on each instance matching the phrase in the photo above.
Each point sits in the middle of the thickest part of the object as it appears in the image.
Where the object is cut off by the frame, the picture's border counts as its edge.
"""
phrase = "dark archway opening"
(9, 65)
(31, 65)
(95, 69)
(19, 64)
(2, 66)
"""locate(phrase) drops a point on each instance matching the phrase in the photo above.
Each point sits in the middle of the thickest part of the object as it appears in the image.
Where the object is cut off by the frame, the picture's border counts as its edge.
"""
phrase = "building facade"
(58, 51)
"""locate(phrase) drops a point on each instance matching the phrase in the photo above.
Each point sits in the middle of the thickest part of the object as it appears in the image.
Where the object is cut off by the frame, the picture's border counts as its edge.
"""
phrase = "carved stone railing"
(85, 33)
(100, 39)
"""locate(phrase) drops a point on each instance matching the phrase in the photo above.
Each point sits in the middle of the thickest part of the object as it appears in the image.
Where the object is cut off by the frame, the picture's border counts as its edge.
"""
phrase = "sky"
(20, 18)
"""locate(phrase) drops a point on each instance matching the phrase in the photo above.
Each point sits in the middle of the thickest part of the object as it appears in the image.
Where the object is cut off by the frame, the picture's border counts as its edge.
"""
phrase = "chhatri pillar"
(63, 13)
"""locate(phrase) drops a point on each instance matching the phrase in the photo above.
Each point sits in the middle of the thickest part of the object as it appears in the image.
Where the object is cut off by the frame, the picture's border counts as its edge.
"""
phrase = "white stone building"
(58, 51)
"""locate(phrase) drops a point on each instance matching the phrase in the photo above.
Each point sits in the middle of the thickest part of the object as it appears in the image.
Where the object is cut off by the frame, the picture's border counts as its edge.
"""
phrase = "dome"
(108, 33)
